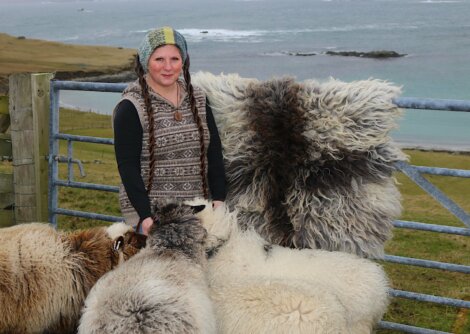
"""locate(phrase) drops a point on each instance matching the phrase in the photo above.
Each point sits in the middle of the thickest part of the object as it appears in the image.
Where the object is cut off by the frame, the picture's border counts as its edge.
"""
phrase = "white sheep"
(262, 288)
(162, 289)
(45, 274)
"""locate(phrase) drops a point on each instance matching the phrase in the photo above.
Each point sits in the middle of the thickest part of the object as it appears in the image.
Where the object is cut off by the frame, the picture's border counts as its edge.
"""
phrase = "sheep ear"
(118, 243)
(138, 240)
(197, 208)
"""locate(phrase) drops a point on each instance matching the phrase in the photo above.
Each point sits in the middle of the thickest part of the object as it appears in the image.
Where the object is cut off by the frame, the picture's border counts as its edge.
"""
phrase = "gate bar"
(85, 139)
(432, 104)
(89, 86)
(54, 151)
(90, 215)
(427, 263)
(408, 328)
(442, 171)
(432, 227)
(85, 185)
(432, 190)
(429, 298)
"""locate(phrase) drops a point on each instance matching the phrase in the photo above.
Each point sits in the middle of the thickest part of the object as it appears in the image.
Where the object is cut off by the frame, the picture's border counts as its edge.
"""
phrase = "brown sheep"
(162, 289)
(45, 275)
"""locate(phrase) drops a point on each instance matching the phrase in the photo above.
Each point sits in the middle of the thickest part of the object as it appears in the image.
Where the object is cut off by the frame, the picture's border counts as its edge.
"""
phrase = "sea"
(274, 38)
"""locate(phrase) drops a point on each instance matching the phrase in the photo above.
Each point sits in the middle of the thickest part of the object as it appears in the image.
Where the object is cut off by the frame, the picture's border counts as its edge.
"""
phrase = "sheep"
(45, 274)
(309, 164)
(261, 288)
(162, 289)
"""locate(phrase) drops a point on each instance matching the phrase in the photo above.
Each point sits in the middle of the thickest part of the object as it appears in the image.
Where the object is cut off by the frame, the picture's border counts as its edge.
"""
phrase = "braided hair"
(197, 119)
(139, 70)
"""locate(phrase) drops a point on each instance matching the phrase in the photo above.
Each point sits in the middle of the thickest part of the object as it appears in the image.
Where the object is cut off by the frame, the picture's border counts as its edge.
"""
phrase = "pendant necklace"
(177, 114)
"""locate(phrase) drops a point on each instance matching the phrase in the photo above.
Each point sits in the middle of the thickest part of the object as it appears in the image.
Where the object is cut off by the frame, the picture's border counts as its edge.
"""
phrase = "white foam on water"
(440, 1)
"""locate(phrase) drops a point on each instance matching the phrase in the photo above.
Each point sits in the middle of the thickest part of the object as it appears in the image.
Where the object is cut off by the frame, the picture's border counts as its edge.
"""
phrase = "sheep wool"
(262, 288)
(309, 165)
(162, 289)
(45, 275)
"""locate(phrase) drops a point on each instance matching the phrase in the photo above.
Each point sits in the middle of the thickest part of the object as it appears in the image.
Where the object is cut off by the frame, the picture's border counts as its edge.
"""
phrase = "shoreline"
(458, 148)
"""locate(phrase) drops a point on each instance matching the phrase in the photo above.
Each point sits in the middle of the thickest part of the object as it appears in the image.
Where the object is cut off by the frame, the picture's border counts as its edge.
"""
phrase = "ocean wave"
(55, 2)
(224, 35)
(97, 36)
(382, 26)
(289, 53)
(441, 1)
(69, 38)
(221, 35)
(275, 54)
(229, 35)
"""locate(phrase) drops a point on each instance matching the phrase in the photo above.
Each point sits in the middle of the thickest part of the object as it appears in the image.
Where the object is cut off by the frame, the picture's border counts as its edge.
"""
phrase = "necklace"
(177, 114)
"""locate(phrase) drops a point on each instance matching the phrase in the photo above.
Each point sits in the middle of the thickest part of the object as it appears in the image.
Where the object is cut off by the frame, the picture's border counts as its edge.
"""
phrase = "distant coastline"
(67, 61)
(432, 147)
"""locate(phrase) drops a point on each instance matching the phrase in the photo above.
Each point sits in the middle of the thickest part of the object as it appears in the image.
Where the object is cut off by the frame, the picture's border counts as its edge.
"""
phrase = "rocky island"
(379, 54)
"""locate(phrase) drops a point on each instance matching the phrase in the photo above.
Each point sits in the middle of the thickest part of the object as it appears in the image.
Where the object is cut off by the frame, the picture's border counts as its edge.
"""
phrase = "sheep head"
(125, 241)
(220, 223)
(177, 230)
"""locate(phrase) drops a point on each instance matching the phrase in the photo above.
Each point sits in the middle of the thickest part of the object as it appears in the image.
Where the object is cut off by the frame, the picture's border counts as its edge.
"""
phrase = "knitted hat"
(159, 37)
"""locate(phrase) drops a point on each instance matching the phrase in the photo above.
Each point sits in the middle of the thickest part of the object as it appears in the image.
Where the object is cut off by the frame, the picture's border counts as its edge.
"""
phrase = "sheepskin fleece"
(262, 288)
(163, 289)
(309, 165)
(45, 274)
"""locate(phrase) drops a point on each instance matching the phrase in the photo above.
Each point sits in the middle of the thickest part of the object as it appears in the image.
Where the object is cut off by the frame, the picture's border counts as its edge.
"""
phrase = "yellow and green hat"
(158, 37)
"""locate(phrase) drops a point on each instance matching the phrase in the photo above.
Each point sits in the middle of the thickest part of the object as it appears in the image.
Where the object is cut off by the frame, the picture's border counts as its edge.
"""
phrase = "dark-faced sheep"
(45, 275)
(261, 288)
(162, 289)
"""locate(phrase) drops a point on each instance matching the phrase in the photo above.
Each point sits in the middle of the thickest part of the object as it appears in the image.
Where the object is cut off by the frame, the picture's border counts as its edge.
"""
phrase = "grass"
(33, 55)
(421, 207)
(100, 167)
(25, 55)
(4, 105)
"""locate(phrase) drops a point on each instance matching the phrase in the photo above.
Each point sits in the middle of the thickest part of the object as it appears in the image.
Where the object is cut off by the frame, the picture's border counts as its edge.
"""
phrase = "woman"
(165, 137)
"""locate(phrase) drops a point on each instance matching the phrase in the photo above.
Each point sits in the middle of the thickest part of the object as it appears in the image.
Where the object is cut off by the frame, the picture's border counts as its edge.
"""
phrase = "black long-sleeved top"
(128, 134)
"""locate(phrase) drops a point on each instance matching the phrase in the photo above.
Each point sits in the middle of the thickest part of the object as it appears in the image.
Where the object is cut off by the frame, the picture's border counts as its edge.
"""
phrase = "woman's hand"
(216, 204)
(146, 225)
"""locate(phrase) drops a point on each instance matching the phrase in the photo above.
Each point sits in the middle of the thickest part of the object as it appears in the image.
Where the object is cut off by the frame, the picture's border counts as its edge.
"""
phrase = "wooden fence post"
(29, 117)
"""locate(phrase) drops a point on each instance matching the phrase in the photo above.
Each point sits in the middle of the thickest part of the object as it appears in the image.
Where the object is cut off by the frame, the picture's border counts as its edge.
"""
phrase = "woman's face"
(164, 67)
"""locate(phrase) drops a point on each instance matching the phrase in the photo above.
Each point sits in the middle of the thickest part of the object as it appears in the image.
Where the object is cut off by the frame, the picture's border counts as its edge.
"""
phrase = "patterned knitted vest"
(177, 149)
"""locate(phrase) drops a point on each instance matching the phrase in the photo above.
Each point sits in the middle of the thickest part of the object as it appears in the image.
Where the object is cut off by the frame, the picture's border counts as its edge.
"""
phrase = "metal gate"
(413, 172)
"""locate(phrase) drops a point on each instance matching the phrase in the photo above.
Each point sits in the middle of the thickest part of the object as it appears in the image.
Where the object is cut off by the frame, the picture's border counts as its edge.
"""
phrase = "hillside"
(20, 54)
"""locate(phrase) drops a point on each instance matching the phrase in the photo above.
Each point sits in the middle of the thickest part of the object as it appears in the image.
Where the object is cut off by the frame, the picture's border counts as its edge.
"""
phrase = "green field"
(100, 167)
(420, 207)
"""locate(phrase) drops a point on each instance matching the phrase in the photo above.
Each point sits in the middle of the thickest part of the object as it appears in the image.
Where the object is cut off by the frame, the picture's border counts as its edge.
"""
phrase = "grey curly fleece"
(309, 164)
(164, 288)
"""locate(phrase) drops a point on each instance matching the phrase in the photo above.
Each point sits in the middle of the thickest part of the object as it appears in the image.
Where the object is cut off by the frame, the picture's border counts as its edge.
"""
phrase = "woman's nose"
(167, 64)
